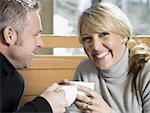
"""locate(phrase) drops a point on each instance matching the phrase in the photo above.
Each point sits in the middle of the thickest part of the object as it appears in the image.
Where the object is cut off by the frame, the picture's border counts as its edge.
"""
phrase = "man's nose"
(39, 42)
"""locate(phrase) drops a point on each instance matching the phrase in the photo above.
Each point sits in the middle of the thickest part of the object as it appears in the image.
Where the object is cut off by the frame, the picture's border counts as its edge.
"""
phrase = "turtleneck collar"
(5, 66)
(118, 70)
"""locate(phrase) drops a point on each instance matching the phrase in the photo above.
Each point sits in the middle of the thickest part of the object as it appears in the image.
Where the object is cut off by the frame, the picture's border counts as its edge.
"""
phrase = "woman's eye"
(103, 34)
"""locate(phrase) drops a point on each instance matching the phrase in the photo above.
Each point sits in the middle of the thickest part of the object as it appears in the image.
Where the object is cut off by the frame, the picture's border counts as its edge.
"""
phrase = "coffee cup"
(82, 83)
(70, 93)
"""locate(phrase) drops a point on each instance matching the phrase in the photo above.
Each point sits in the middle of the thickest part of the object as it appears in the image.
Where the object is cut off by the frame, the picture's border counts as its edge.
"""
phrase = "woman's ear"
(10, 35)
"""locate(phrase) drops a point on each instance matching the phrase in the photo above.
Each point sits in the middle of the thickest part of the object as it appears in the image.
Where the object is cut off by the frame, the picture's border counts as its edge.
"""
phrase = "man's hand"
(56, 98)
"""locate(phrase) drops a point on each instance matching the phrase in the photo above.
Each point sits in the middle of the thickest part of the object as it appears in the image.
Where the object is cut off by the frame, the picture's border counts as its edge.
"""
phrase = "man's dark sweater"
(11, 90)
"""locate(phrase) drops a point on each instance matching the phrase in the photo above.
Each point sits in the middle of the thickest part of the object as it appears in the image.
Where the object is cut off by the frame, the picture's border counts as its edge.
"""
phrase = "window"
(67, 12)
(64, 14)
(138, 13)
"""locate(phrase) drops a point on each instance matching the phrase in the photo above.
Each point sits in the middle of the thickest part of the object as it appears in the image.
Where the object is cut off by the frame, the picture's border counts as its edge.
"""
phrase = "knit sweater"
(124, 91)
(11, 90)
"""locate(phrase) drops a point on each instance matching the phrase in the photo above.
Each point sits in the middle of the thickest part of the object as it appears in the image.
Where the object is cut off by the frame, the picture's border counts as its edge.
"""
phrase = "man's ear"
(10, 35)
(124, 40)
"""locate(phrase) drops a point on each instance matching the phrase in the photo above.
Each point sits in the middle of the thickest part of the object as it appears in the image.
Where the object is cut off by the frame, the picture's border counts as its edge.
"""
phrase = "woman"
(122, 79)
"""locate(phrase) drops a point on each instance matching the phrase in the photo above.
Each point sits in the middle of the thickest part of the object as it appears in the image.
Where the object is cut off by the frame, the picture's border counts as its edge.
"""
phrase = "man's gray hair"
(13, 13)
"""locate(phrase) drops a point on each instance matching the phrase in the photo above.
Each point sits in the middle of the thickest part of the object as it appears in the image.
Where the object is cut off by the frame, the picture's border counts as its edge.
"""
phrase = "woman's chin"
(104, 63)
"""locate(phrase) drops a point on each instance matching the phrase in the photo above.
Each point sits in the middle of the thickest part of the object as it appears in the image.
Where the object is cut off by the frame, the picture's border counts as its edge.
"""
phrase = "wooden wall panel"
(46, 69)
(37, 80)
(55, 62)
(51, 41)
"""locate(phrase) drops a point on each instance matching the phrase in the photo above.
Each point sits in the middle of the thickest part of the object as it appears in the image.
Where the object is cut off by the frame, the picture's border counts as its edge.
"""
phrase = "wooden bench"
(46, 69)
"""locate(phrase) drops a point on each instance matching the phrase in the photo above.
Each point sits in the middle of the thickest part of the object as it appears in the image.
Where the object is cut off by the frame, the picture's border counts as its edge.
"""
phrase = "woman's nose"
(96, 44)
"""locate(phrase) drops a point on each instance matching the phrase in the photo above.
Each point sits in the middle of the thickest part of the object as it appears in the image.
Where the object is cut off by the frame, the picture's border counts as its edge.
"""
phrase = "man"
(20, 27)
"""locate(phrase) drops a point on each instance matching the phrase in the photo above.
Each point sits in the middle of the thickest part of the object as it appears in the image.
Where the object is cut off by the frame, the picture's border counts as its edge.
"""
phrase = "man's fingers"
(53, 87)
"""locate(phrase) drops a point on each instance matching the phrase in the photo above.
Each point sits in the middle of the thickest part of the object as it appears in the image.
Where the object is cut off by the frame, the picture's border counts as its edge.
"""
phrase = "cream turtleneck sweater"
(124, 91)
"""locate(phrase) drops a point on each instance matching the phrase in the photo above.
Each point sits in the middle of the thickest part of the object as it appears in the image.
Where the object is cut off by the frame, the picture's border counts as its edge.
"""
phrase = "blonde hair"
(139, 55)
(104, 17)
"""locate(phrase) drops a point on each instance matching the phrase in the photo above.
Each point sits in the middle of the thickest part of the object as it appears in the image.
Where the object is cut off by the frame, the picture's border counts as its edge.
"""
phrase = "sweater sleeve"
(39, 104)
(144, 85)
(146, 95)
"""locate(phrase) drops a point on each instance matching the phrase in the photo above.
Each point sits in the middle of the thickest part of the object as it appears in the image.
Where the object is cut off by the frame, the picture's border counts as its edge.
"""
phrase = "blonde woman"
(121, 75)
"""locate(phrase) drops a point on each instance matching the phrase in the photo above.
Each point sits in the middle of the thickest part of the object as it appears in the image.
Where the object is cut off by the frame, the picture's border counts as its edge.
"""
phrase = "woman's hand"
(92, 102)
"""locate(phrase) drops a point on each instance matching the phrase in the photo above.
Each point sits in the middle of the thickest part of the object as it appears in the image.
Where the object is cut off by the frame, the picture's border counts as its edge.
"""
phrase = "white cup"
(82, 83)
(70, 93)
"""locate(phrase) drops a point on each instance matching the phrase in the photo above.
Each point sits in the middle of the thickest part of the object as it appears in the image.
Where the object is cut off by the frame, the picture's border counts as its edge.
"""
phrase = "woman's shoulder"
(147, 67)
(145, 71)
(87, 65)
(144, 76)
(85, 62)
